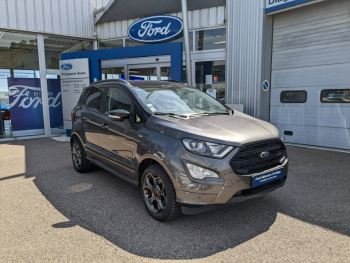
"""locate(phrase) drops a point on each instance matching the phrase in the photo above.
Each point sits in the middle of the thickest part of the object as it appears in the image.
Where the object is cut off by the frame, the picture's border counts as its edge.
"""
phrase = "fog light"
(200, 173)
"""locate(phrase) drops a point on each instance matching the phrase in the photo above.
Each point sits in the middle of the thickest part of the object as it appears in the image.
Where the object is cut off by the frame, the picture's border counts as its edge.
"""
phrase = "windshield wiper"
(208, 113)
(170, 114)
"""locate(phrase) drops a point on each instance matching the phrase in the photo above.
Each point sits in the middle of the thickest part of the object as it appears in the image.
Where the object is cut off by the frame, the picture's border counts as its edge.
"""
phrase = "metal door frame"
(164, 61)
(219, 54)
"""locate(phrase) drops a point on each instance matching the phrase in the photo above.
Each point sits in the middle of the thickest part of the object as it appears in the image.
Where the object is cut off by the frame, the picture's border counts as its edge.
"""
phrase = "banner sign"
(155, 29)
(26, 104)
(274, 5)
(75, 76)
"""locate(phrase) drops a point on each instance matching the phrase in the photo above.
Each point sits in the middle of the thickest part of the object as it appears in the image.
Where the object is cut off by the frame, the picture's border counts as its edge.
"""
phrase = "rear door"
(91, 117)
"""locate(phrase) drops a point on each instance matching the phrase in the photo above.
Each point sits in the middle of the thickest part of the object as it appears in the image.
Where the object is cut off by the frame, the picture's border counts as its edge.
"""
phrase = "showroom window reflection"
(210, 39)
(127, 42)
(20, 89)
(54, 47)
(210, 78)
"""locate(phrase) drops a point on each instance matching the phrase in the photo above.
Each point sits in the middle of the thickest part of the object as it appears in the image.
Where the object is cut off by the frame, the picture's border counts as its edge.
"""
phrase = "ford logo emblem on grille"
(264, 155)
(66, 66)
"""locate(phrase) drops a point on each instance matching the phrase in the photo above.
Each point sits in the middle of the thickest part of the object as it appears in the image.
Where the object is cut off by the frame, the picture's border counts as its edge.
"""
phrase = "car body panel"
(158, 139)
(236, 129)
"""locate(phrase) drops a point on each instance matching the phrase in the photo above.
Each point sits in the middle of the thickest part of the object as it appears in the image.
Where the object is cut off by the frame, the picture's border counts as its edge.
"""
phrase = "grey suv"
(186, 151)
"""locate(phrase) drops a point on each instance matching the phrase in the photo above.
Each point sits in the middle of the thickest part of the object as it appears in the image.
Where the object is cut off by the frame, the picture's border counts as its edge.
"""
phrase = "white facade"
(245, 28)
(62, 17)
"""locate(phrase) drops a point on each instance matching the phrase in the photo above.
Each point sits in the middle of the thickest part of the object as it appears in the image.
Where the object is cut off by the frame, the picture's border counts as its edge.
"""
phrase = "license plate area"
(267, 177)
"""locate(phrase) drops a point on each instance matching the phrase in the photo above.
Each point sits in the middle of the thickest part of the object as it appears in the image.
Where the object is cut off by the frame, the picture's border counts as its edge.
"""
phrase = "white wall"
(65, 17)
(245, 34)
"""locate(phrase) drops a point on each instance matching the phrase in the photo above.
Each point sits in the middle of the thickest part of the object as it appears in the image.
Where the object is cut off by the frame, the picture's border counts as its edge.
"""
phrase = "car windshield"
(180, 100)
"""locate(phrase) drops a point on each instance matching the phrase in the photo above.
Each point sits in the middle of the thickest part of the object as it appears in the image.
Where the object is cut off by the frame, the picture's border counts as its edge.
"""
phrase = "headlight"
(207, 148)
(199, 172)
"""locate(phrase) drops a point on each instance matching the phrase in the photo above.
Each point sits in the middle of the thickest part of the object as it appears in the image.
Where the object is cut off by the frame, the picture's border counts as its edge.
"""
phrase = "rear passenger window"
(93, 100)
(298, 96)
(117, 99)
(335, 96)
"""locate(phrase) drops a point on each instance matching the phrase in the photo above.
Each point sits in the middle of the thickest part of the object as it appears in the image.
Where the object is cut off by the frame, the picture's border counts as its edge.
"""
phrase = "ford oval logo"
(264, 155)
(66, 66)
(155, 29)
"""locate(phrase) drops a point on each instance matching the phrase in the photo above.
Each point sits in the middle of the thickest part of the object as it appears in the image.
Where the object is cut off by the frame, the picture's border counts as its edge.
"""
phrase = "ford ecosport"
(187, 152)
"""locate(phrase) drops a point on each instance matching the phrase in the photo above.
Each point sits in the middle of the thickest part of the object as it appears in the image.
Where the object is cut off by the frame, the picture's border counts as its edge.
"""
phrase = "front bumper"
(240, 197)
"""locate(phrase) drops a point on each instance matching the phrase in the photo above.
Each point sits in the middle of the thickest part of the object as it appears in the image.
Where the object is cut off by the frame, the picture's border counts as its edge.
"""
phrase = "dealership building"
(286, 62)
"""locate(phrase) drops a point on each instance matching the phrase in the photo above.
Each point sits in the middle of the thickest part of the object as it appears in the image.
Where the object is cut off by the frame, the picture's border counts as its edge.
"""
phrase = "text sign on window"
(335, 96)
(298, 96)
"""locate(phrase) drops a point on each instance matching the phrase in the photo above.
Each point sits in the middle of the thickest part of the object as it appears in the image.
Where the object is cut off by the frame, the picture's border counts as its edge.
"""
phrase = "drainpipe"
(187, 42)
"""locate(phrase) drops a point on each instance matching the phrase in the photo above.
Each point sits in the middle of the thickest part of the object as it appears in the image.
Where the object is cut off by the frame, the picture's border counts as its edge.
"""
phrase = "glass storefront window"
(143, 74)
(181, 39)
(20, 88)
(132, 43)
(110, 44)
(113, 73)
(210, 39)
(54, 47)
(165, 74)
(210, 78)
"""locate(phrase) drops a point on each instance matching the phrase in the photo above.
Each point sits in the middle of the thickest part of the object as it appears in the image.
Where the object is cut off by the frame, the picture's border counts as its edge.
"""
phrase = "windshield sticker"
(150, 106)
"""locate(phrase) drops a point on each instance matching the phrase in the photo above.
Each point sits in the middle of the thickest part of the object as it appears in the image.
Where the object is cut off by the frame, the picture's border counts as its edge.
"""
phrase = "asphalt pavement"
(49, 212)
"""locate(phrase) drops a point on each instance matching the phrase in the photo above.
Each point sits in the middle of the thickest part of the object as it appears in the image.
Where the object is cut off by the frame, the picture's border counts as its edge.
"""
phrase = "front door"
(116, 142)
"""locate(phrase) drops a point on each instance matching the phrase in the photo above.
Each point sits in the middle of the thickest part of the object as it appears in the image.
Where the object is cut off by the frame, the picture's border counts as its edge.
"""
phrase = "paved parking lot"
(49, 212)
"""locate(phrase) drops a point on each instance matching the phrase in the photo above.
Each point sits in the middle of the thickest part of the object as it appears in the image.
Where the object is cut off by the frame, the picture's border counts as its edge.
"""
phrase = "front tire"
(81, 164)
(158, 194)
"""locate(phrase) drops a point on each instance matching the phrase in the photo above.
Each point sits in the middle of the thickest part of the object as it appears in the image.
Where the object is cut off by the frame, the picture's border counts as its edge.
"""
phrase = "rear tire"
(158, 194)
(80, 163)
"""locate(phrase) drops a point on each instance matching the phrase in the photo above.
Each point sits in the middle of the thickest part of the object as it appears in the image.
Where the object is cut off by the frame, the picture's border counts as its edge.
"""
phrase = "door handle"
(104, 126)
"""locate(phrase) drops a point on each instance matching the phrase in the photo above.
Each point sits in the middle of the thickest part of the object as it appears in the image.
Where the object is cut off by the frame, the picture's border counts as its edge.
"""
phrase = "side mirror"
(118, 115)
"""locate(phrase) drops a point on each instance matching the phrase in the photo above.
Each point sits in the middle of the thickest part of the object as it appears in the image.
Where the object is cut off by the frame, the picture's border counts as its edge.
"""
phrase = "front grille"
(248, 160)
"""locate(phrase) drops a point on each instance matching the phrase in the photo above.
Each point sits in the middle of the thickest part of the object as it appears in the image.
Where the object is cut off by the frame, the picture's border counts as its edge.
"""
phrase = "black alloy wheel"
(154, 193)
(76, 152)
(80, 162)
(158, 194)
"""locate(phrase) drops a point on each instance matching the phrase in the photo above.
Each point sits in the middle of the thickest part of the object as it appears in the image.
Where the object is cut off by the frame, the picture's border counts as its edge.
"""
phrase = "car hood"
(237, 129)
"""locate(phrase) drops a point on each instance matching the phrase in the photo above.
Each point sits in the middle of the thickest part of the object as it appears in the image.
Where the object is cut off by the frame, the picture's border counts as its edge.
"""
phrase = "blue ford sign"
(66, 66)
(155, 29)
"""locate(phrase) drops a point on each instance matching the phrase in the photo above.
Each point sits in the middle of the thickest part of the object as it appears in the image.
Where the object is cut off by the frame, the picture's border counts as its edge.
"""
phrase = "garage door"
(310, 82)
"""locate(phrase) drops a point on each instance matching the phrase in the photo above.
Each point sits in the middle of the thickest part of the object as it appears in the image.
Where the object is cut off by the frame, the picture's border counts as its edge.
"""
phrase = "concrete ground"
(49, 212)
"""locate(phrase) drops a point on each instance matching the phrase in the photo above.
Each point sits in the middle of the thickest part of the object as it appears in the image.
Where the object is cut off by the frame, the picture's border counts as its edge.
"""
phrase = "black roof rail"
(110, 80)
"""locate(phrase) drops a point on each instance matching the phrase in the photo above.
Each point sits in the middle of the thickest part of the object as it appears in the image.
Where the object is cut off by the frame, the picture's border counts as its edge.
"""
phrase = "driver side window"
(117, 99)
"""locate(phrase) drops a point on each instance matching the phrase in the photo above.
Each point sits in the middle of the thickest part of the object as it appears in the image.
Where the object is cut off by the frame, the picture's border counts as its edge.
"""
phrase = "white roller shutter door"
(311, 52)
